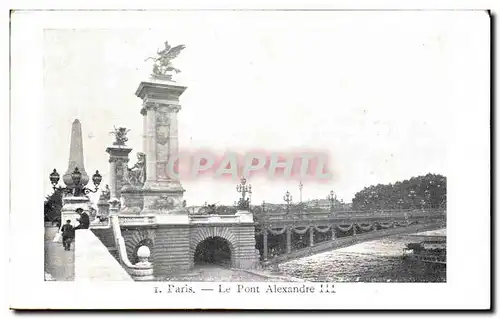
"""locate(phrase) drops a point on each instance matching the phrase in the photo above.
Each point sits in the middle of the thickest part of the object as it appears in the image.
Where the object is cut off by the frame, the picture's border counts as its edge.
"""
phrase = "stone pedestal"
(162, 193)
(103, 208)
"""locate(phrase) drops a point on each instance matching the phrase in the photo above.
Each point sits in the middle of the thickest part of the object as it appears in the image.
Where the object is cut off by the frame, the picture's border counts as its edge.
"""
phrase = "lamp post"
(77, 189)
(331, 198)
(422, 204)
(374, 197)
(400, 203)
(288, 199)
(412, 196)
(300, 189)
(244, 189)
(428, 198)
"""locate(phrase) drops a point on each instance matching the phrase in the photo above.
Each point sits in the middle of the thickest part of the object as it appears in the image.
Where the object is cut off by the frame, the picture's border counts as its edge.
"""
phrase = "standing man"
(68, 233)
(84, 219)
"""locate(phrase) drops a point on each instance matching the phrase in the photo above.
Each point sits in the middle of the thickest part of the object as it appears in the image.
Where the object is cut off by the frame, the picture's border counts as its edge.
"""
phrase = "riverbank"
(214, 273)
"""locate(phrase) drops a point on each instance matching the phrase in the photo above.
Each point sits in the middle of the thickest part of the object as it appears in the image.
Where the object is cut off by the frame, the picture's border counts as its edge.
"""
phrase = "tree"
(53, 205)
(419, 192)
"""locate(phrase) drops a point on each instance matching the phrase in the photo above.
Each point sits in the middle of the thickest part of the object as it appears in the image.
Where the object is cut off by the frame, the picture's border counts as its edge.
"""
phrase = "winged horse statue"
(163, 67)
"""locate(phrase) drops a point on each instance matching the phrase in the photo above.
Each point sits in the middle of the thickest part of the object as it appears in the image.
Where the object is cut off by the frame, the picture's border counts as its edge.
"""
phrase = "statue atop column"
(120, 134)
(137, 174)
(162, 67)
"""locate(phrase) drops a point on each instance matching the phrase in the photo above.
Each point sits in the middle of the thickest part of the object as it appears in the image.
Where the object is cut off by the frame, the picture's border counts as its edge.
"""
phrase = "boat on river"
(428, 249)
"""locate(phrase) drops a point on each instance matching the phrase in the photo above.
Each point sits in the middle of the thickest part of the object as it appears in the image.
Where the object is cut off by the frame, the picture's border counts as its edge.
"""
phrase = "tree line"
(52, 205)
(419, 192)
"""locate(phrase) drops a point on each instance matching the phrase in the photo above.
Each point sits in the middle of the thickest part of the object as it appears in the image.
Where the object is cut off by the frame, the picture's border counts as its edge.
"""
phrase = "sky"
(376, 90)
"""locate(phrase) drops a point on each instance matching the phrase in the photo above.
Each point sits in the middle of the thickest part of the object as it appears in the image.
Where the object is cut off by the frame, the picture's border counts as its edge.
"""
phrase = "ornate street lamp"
(428, 198)
(422, 204)
(400, 203)
(374, 196)
(300, 189)
(77, 188)
(54, 178)
(332, 198)
(288, 199)
(412, 196)
(244, 189)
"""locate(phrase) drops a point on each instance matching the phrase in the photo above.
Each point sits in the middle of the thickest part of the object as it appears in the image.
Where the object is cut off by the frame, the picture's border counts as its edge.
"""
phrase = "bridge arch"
(213, 238)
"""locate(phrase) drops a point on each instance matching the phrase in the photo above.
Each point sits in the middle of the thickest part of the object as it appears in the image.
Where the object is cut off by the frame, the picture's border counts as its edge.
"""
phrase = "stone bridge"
(239, 241)
(283, 237)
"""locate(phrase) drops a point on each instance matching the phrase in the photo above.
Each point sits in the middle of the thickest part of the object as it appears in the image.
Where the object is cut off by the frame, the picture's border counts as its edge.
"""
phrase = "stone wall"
(173, 246)
(171, 249)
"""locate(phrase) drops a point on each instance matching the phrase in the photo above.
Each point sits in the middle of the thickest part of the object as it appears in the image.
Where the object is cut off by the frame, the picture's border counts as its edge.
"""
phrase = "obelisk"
(70, 202)
(75, 155)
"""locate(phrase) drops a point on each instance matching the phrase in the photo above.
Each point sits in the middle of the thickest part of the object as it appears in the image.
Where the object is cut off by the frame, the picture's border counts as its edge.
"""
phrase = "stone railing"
(241, 216)
(214, 218)
(352, 215)
(96, 224)
(142, 270)
(127, 220)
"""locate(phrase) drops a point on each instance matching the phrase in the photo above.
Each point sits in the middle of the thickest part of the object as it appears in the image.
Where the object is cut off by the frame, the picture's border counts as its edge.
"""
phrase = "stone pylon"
(70, 202)
(161, 194)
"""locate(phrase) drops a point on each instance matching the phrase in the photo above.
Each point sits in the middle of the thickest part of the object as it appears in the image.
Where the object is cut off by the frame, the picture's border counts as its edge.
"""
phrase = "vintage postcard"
(249, 159)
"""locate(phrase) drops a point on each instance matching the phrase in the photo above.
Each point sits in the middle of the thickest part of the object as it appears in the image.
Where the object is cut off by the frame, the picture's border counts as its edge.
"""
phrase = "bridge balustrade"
(274, 231)
(355, 215)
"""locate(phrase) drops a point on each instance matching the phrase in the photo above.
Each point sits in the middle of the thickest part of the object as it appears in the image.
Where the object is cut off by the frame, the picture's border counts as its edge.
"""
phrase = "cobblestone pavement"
(59, 264)
(218, 273)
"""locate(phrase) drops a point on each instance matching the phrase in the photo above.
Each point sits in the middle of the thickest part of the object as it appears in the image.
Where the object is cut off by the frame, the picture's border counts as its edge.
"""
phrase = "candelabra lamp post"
(288, 199)
(77, 189)
(300, 189)
(332, 198)
(422, 204)
(244, 189)
(374, 199)
(428, 198)
(412, 196)
(75, 192)
(400, 203)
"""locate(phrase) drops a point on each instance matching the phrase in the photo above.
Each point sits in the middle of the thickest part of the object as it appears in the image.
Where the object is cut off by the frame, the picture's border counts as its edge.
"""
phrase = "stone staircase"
(105, 235)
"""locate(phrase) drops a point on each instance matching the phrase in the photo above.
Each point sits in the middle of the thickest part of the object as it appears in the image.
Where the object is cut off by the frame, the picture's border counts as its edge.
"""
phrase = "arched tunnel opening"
(213, 251)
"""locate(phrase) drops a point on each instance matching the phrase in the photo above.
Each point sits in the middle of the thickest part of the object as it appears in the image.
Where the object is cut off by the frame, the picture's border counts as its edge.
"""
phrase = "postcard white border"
(468, 276)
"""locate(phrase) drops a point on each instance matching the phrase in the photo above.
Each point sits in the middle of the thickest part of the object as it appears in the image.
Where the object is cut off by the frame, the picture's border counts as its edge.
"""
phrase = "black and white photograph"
(246, 159)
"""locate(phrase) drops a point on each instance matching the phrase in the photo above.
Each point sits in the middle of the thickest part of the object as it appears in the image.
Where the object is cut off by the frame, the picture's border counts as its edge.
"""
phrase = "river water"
(374, 261)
